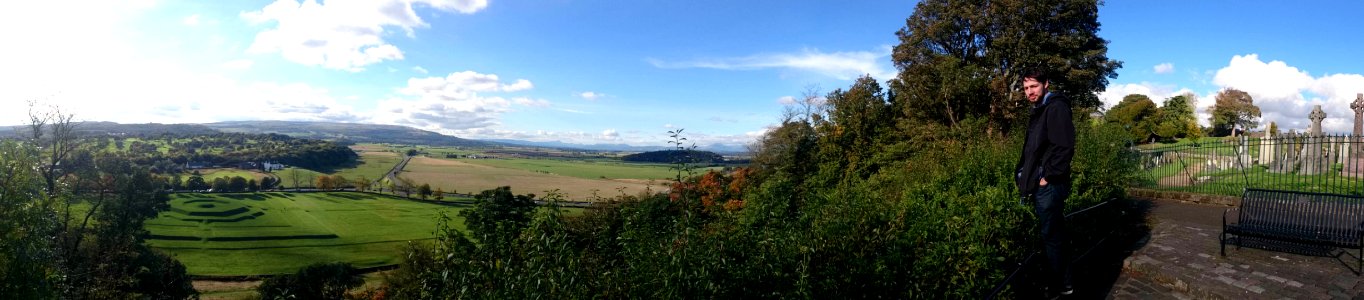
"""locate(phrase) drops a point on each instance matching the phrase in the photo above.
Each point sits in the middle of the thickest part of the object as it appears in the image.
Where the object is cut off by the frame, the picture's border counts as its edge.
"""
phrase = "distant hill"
(353, 132)
(115, 129)
(719, 148)
(672, 156)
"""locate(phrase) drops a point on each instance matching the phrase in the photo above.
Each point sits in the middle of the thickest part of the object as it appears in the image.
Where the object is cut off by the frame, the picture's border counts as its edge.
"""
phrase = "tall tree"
(1138, 114)
(1178, 113)
(1233, 109)
(965, 59)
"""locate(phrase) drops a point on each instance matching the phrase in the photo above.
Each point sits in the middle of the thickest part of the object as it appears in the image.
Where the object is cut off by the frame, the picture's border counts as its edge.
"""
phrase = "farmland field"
(467, 177)
(210, 174)
(373, 164)
(274, 233)
(583, 168)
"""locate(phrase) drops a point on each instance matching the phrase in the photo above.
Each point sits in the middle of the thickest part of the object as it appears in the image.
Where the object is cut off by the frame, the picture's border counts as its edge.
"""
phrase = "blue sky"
(599, 71)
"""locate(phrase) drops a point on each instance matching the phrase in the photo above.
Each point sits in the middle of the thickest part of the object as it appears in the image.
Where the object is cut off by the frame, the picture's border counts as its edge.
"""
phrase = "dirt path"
(1182, 178)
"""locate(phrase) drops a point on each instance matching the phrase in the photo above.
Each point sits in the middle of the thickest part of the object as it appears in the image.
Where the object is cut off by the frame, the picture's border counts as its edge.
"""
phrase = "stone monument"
(1313, 161)
(1354, 166)
(1285, 158)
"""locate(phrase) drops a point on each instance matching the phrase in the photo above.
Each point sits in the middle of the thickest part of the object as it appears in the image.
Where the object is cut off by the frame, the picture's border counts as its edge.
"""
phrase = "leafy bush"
(316, 281)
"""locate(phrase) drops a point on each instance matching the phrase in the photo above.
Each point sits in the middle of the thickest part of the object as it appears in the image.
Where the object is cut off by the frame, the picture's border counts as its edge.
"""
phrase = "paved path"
(1180, 259)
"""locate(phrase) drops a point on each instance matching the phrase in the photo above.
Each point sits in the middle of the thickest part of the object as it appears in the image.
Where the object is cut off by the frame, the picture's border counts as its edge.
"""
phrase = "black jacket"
(1049, 146)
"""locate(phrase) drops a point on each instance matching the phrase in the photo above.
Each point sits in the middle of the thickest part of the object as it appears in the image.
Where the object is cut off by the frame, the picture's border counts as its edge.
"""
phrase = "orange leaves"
(715, 190)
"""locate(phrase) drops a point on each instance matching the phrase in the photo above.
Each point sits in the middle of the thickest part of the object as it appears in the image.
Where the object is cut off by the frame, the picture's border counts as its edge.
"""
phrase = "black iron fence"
(1226, 166)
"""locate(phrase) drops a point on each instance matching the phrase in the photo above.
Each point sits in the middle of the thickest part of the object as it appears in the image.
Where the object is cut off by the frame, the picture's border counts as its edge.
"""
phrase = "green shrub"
(317, 281)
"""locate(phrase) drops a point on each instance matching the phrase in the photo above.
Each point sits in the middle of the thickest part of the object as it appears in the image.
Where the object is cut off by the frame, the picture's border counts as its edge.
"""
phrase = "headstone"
(1286, 158)
(1354, 166)
(1267, 144)
(1313, 161)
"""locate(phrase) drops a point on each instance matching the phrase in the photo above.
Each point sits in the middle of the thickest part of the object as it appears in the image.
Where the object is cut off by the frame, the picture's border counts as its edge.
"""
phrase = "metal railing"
(1226, 166)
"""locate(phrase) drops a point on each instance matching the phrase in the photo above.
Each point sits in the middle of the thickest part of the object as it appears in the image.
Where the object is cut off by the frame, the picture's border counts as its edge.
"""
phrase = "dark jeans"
(1050, 207)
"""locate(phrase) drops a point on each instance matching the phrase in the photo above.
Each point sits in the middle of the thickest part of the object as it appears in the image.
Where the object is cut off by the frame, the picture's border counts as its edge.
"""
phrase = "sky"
(601, 72)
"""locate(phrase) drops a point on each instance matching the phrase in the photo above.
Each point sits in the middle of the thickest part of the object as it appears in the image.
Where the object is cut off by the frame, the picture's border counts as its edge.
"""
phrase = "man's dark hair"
(1038, 74)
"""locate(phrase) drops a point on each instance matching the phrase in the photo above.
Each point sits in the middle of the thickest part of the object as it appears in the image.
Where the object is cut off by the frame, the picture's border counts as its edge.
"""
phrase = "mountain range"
(351, 132)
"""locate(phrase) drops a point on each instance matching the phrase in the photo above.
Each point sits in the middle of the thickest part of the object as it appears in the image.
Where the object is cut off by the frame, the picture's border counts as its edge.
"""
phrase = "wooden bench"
(1299, 217)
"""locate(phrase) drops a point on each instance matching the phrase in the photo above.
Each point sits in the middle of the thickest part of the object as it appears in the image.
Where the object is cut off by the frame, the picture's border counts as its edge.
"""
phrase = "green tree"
(1138, 114)
(219, 184)
(27, 267)
(498, 215)
(236, 184)
(965, 59)
(1233, 109)
(196, 182)
(252, 185)
(424, 191)
(316, 281)
(857, 119)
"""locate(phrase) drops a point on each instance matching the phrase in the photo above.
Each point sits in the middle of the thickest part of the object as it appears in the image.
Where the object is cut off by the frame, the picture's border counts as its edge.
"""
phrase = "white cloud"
(839, 65)
(345, 35)
(453, 104)
(419, 69)
(610, 134)
(532, 102)
(238, 64)
(1165, 68)
(1285, 94)
(520, 85)
(786, 100)
(591, 96)
(191, 20)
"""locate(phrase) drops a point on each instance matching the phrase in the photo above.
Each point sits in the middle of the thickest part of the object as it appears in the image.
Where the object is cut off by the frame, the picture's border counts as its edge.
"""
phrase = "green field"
(210, 174)
(582, 168)
(373, 165)
(274, 233)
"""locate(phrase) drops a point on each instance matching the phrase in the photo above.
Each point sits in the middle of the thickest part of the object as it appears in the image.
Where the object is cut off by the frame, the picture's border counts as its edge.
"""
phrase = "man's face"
(1034, 89)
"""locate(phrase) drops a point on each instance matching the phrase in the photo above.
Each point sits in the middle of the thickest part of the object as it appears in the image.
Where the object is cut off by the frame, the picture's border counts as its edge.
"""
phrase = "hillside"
(116, 129)
(673, 156)
(358, 133)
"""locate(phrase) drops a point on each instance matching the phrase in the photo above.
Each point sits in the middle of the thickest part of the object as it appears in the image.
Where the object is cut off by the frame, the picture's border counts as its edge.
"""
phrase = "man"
(1043, 172)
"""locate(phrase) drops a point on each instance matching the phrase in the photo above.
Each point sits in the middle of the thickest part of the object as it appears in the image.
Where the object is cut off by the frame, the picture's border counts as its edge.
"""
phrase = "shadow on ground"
(1100, 240)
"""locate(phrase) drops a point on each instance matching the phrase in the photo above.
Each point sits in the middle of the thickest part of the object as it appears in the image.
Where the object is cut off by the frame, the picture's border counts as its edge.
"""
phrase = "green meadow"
(275, 233)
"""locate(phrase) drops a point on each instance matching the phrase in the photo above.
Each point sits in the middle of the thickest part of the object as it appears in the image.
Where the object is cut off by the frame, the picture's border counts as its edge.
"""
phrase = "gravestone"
(1285, 158)
(1313, 161)
(1267, 145)
(1354, 166)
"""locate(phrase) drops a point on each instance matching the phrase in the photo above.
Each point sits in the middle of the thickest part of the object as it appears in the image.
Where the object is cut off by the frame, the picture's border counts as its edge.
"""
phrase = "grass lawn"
(274, 233)
(1232, 182)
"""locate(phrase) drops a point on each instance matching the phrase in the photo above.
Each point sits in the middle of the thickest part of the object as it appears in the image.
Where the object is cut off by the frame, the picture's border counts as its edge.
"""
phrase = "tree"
(1234, 109)
(196, 183)
(236, 184)
(339, 182)
(1138, 114)
(268, 182)
(965, 59)
(412, 152)
(424, 191)
(440, 194)
(407, 186)
(295, 176)
(219, 184)
(361, 183)
(252, 186)
(1178, 119)
(325, 183)
(316, 281)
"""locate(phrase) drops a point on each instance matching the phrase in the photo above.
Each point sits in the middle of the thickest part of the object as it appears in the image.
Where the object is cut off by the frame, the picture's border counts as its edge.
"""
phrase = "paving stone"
(1294, 283)
(1276, 278)
(1256, 289)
